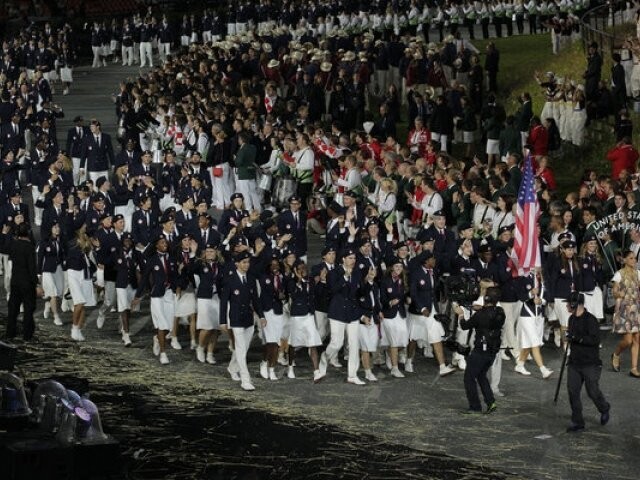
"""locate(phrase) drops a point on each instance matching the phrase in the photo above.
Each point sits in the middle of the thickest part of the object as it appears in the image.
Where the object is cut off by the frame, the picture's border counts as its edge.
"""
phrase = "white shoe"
(194, 344)
(323, 363)
(515, 354)
(164, 360)
(211, 360)
(335, 363)
(272, 374)
(126, 339)
(247, 386)
(64, 305)
(503, 354)
(395, 372)
(74, 333)
(235, 376)
(388, 362)
(282, 360)
(355, 381)
(80, 336)
(175, 344)
(317, 376)
(546, 373)
(402, 357)
(446, 370)
(520, 368)
(200, 354)
(290, 373)
(454, 360)
(65, 91)
(408, 365)
(100, 321)
(57, 321)
(556, 337)
(368, 374)
(462, 364)
(264, 370)
(47, 310)
(156, 346)
(428, 352)
(498, 393)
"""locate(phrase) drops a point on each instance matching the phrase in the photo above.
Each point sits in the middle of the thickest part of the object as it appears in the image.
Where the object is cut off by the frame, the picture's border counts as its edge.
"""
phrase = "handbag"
(217, 171)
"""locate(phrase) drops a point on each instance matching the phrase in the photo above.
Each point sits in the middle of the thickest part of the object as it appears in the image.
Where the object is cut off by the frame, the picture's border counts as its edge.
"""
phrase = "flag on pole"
(526, 250)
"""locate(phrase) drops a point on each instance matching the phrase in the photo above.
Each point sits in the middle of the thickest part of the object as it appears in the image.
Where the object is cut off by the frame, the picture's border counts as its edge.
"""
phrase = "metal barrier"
(599, 25)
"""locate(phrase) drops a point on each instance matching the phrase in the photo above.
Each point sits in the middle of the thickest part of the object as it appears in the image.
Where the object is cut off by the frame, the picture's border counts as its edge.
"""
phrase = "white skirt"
(425, 328)
(395, 331)
(124, 297)
(53, 283)
(562, 314)
(303, 332)
(272, 332)
(82, 292)
(286, 321)
(593, 302)
(368, 337)
(186, 304)
(162, 310)
(530, 331)
(493, 147)
(208, 313)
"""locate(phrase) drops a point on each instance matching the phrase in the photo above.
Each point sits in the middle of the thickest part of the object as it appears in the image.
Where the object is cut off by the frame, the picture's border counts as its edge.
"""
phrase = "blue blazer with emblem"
(154, 276)
(239, 301)
(344, 306)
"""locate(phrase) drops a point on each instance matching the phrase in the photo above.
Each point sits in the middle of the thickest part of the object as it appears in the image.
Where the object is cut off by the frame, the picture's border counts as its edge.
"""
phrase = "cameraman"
(488, 324)
(584, 365)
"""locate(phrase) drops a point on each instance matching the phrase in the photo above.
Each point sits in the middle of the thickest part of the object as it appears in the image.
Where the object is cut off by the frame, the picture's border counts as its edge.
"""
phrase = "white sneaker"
(175, 344)
(317, 376)
(290, 373)
(368, 374)
(408, 365)
(126, 339)
(355, 381)
(57, 321)
(272, 374)
(546, 373)
(200, 354)
(428, 351)
(64, 305)
(282, 360)
(503, 354)
(395, 372)
(498, 393)
(74, 333)
(462, 364)
(388, 362)
(164, 360)
(80, 336)
(194, 344)
(247, 386)
(264, 370)
(520, 368)
(336, 363)
(100, 321)
(47, 310)
(65, 91)
(446, 370)
(402, 356)
(211, 360)
(235, 376)
(156, 346)
(556, 337)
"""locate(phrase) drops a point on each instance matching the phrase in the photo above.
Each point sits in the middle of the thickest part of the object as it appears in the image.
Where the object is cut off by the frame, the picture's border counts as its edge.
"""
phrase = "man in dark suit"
(12, 135)
(294, 222)
(75, 139)
(24, 279)
(97, 153)
(618, 84)
(238, 302)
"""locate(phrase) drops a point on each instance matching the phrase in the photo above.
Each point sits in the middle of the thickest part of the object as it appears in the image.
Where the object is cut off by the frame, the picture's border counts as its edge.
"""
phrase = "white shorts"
(493, 147)
(186, 304)
(272, 332)
(162, 310)
(395, 331)
(593, 302)
(208, 313)
(124, 296)
(303, 332)
(53, 283)
(425, 328)
(368, 337)
(562, 314)
(81, 290)
(530, 331)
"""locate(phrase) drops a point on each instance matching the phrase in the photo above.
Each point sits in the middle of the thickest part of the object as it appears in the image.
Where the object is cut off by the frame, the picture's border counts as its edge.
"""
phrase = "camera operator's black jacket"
(584, 335)
(488, 324)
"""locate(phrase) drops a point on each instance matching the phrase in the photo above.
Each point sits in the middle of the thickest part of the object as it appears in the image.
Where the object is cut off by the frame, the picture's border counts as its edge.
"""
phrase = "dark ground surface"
(188, 420)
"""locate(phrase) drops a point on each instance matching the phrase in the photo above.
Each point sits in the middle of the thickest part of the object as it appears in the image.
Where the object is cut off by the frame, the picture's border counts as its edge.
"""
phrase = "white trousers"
(35, 193)
(512, 312)
(109, 298)
(127, 56)
(322, 324)
(97, 61)
(206, 36)
(337, 339)
(76, 170)
(249, 190)
(222, 187)
(495, 372)
(164, 50)
(7, 268)
(242, 340)
(145, 53)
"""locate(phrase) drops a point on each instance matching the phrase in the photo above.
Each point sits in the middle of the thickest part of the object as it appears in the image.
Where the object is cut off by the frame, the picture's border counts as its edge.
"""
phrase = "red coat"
(622, 157)
(539, 140)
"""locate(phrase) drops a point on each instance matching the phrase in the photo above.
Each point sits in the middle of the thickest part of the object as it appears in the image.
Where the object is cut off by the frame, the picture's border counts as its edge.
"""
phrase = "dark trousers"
(589, 375)
(21, 294)
(478, 364)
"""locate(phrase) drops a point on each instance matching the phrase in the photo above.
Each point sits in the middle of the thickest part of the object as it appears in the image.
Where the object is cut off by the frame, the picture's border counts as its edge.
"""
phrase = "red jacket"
(539, 140)
(622, 157)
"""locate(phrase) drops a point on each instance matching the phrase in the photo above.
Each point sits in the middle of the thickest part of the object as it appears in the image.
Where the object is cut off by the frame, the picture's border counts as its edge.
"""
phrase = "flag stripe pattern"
(526, 250)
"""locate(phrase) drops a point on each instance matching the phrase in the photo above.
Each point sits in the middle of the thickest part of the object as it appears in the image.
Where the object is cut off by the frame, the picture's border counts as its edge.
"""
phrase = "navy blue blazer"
(270, 297)
(127, 269)
(75, 141)
(94, 157)
(390, 290)
(421, 289)
(344, 306)
(301, 294)
(239, 301)
(286, 224)
(50, 255)
(141, 230)
(155, 276)
(210, 274)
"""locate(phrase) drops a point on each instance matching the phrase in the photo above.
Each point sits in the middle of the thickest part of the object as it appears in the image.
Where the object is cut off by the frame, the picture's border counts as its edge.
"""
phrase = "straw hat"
(326, 66)
(273, 63)
(349, 56)
(267, 47)
(296, 55)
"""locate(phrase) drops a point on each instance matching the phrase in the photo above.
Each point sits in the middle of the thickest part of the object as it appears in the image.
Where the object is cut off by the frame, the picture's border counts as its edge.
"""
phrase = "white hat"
(368, 126)
(267, 47)
(326, 66)
(273, 63)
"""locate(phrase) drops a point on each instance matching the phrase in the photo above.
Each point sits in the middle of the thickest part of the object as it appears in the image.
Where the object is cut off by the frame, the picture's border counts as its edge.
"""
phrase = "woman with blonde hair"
(590, 262)
(386, 200)
(80, 269)
(626, 291)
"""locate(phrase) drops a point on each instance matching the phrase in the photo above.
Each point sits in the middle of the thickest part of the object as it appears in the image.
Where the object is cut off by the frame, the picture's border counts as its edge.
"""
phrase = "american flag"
(526, 251)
